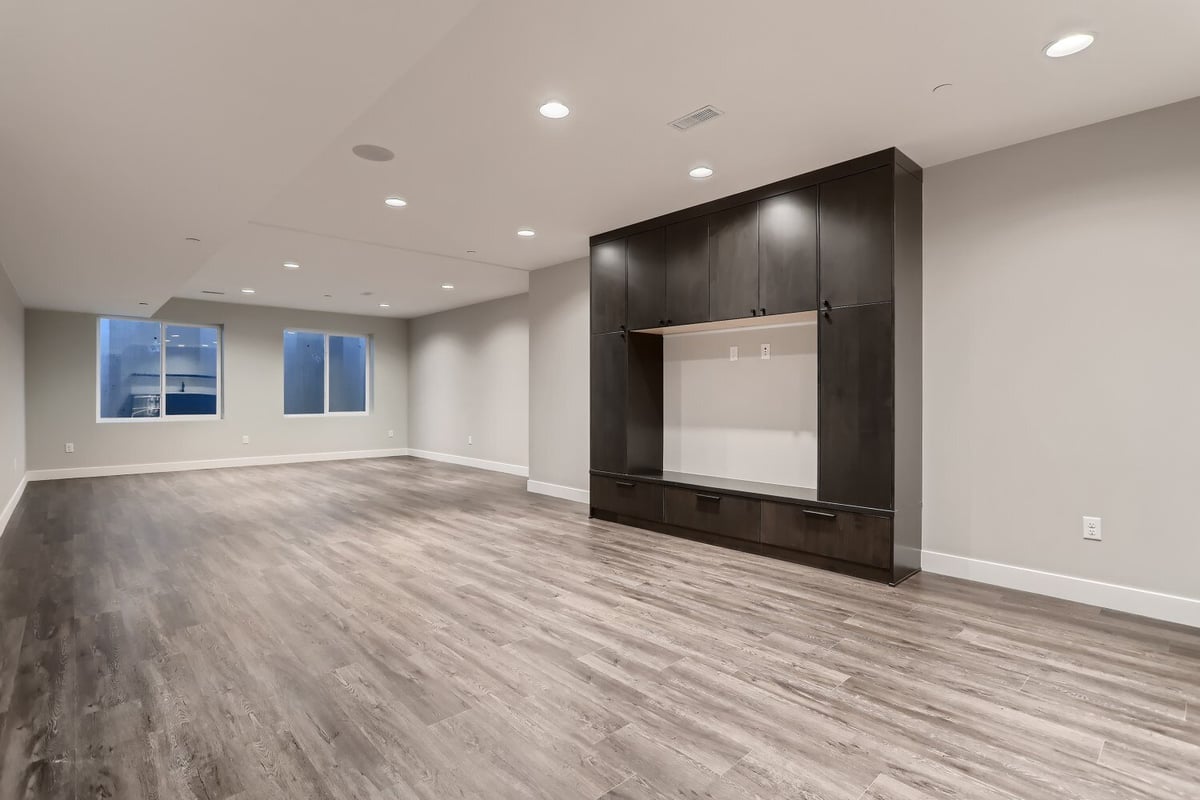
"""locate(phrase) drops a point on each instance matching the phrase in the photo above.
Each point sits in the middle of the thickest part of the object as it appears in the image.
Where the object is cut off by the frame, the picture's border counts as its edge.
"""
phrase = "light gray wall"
(750, 419)
(61, 392)
(1062, 338)
(12, 390)
(469, 376)
(559, 327)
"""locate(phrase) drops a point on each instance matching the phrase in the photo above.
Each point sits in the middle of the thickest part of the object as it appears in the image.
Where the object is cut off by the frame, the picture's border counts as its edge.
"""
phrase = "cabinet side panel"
(908, 375)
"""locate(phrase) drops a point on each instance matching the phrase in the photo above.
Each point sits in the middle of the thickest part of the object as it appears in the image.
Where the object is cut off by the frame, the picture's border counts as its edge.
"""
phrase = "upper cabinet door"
(855, 429)
(608, 287)
(687, 271)
(733, 263)
(856, 239)
(646, 263)
(787, 252)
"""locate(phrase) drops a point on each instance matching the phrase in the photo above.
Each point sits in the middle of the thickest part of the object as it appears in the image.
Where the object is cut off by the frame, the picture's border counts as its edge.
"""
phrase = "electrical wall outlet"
(733, 352)
(766, 351)
(1091, 529)
(69, 448)
(470, 439)
(245, 440)
(391, 434)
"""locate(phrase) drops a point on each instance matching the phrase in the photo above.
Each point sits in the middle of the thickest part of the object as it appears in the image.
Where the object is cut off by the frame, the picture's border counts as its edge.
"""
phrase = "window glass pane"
(191, 383)
(347, 373)
(303, 373)
(130, 368)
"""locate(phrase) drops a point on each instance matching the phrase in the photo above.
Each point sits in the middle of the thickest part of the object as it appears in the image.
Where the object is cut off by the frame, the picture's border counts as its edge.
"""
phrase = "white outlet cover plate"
(733, 352)
(1092, 530)
(766, 351)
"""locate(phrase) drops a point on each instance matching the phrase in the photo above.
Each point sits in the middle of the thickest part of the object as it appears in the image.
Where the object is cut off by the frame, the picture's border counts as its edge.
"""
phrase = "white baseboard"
(215, 463)
(11, 505)
(562, 492)
(477, 463)
(1167, 607)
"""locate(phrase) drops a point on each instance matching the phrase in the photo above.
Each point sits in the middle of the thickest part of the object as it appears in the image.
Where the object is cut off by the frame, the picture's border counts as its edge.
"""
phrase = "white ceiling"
(127, 126)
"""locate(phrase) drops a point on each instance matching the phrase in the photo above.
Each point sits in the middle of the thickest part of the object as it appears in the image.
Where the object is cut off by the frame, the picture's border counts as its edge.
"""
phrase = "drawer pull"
(808, 512)
(716, 498)
(626, 484)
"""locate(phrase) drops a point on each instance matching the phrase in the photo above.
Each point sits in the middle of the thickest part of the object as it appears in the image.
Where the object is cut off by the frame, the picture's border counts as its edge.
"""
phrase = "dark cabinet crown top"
(889, 157)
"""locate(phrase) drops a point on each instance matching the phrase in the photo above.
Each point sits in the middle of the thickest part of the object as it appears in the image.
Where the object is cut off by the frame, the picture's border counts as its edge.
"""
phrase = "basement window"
(153, 371)
(325, 374)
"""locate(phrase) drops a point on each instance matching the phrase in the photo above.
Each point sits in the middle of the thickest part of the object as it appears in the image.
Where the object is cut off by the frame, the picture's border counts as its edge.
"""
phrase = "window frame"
(368, 373)
(162, 373)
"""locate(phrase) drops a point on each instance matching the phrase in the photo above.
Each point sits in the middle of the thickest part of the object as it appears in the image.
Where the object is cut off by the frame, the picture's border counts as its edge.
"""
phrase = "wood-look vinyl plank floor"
(400, 628)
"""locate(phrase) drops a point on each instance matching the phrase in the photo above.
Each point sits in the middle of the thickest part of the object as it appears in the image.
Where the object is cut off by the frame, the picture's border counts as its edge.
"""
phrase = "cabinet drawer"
(628, 498)
(713, 512)
(860, 538)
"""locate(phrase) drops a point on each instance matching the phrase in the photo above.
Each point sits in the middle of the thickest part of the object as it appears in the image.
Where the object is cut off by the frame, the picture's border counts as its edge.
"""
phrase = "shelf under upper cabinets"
(770, 321)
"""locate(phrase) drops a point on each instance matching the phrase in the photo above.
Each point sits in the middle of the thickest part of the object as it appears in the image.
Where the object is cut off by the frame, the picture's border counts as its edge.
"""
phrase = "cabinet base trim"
(1143, 602)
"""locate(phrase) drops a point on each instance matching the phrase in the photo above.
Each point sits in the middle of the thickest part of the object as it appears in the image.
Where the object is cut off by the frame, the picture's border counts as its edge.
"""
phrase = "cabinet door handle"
(662, 322)
(716, 498)
(808, 512)
(626, 484)
(762, 311)
(668, 322)
(754, 312)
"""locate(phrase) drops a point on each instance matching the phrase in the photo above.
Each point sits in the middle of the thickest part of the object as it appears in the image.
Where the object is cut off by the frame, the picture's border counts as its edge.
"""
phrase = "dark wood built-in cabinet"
(843, 241)
(855, 425)
(787, 252)
(608, 287)
(686, 290)
(733, 263)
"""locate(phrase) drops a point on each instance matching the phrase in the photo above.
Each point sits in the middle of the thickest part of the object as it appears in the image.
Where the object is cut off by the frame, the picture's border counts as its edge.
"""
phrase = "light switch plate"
(733, 352)
(70, 447)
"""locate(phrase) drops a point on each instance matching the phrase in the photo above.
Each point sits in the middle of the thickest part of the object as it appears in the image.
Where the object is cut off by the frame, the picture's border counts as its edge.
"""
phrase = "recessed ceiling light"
(700, 173)
(1069, 45)
(396, 202)
(372, 152)
(447, 285)
(527, 232)
(290, 265)
(554, 110)
(384, 305)
(247, 291)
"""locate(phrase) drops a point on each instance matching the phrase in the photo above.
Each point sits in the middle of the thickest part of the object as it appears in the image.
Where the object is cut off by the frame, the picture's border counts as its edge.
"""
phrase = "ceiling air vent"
(695, 118)
(209, 291)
